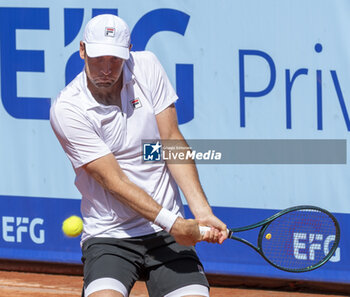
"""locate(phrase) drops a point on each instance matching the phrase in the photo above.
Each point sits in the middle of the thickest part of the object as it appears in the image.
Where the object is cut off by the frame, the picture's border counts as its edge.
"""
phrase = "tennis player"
(134, 226)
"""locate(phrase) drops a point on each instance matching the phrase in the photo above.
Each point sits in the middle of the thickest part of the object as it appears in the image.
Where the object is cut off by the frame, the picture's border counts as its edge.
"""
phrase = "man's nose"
(106, 68)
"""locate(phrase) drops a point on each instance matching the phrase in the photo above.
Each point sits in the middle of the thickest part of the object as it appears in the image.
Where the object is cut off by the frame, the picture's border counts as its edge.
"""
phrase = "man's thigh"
(172, 266)
(108, 270)
(175, 275)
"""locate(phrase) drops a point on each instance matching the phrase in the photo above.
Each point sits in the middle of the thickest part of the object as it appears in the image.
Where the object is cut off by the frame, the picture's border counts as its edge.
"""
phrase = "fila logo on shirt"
(109, 31)
(136, 103)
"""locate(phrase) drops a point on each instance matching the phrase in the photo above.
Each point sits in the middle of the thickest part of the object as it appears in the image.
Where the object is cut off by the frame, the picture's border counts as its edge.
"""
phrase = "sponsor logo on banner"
(307, 245)
(38, 19)
(14, 229)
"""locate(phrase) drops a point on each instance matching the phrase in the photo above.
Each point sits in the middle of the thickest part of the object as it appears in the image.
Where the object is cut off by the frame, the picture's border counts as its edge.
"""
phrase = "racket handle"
(204, 229)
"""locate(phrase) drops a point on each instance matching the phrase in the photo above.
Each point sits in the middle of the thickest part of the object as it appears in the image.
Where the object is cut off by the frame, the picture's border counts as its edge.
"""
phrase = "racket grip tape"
(204, 229)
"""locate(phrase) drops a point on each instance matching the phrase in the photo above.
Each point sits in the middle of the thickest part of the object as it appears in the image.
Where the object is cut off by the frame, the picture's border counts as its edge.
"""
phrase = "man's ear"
(82, 50)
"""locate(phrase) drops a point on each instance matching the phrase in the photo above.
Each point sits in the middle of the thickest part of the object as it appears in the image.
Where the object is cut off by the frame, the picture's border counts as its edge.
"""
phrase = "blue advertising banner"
(31, 229)
(243, 70)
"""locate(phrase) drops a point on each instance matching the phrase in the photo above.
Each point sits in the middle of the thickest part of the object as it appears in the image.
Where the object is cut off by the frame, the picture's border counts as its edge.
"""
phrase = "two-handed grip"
(204, 229)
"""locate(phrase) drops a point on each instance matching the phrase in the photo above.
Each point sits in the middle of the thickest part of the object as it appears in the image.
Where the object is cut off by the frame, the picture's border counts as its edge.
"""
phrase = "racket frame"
(265, 223)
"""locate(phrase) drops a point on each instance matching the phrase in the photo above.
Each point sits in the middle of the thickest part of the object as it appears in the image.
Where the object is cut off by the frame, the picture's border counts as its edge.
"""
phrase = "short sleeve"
(76, 135)
(163, 94)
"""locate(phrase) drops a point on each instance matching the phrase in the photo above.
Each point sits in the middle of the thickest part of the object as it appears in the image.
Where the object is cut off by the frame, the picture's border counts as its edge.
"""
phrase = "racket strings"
(299, 239)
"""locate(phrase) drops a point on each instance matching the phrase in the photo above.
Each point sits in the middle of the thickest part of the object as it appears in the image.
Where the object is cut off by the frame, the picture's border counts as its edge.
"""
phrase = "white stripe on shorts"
(190, 290)
(105, 283)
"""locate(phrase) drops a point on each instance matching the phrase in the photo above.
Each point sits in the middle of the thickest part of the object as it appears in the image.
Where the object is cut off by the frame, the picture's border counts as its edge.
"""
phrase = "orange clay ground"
(20, 284)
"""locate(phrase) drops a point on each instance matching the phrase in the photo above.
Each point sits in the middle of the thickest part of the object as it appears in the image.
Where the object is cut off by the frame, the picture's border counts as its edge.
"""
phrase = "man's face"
(103, 71)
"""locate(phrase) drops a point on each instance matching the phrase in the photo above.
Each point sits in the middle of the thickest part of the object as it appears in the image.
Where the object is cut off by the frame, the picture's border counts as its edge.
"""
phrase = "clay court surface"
(21, 284)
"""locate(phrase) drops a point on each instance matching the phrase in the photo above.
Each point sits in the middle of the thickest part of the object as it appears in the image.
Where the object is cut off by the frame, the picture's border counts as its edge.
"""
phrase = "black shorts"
(156, 258)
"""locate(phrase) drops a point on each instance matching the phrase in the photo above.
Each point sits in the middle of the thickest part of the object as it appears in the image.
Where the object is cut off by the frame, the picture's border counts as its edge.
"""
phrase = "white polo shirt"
(88, 130)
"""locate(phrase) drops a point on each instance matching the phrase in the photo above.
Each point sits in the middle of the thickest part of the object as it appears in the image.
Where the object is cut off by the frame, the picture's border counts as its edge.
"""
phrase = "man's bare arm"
(186, 176)
(107, 172)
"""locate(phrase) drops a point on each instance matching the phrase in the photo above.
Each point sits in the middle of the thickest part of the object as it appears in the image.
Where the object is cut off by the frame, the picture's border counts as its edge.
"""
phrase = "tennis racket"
(297, 239)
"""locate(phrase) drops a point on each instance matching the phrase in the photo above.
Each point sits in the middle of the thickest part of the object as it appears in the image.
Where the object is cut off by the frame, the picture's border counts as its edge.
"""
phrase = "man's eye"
(95, 60)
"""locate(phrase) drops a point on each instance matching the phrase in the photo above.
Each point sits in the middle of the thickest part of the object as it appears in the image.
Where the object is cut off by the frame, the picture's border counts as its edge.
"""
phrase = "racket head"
(299, 239)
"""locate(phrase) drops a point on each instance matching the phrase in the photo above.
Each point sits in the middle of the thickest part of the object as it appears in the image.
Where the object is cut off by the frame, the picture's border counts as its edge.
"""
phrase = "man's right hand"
(186, 232)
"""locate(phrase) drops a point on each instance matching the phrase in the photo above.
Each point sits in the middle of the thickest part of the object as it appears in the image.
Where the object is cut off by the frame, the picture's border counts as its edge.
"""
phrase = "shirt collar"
(128, 76)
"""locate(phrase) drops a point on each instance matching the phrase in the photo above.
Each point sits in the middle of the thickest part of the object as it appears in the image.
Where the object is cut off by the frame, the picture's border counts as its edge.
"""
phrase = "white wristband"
(165, 219)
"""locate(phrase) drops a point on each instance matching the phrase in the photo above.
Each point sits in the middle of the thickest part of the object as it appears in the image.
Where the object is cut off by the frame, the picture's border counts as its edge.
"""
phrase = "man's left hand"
(217, 232)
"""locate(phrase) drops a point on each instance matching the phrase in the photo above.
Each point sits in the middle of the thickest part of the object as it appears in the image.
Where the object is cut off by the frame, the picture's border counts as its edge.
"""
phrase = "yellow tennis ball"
(72, 226)
(268, 236)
